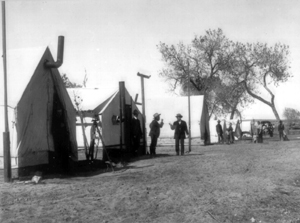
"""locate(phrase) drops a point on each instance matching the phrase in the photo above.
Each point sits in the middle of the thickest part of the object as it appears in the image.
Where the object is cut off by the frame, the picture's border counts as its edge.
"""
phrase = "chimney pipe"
(60, 55)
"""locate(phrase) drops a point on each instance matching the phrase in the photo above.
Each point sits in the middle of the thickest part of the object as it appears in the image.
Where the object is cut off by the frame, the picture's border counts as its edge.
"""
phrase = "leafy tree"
(258, 67)
(203, 60)
(233, 98)
(291, 114)
(69, 84)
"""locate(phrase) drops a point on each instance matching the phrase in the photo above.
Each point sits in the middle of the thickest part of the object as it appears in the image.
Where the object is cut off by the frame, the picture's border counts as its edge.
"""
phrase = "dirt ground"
(243, 182)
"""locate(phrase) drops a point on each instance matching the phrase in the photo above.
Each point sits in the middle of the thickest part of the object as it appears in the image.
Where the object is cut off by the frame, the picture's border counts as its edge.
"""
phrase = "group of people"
(257, 132)
(180, 131)
(229, 134)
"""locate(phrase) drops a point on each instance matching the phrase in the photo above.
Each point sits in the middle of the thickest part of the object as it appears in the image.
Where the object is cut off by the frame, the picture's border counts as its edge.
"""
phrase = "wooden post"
(144, 113)
(6, 141)
(122, 110)
(189, 105)
(86, 144)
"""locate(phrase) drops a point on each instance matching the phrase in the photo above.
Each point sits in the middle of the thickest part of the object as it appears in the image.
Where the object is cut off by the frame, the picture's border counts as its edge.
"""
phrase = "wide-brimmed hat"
(178, 115)
(156, 115)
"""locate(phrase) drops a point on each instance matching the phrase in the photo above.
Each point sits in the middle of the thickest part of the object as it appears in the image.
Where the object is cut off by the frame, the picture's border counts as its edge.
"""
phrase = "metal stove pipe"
(60, 55)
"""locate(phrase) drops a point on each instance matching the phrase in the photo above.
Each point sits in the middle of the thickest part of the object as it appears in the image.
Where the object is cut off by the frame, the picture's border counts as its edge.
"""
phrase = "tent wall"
(34, 116)
(34, 120)
(112, 132)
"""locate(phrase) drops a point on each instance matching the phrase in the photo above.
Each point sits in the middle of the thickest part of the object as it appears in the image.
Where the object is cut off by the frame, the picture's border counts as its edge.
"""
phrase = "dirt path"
(212, 184)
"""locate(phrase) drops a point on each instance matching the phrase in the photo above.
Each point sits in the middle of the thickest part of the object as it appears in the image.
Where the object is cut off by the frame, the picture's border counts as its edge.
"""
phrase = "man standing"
(181, 129)
(155, 132)
(136, 133)
(219, 132)
(280, 130)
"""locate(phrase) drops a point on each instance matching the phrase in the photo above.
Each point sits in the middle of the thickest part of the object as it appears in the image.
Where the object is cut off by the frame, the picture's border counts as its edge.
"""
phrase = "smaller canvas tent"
(45, 120)
(168, 107)
(107, 106)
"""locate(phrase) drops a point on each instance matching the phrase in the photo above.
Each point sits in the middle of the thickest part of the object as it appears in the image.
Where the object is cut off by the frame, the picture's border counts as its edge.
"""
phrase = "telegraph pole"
(6, 141)
(144, 113)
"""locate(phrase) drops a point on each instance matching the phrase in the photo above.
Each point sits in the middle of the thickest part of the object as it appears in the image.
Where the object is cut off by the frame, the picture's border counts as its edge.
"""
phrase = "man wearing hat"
(181, 129)
(219, 132)
(155, 132)
(281, 130)
(136, 133)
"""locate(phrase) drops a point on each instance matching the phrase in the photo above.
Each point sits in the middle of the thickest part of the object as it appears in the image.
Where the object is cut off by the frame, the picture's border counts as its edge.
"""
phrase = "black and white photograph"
(141, 111)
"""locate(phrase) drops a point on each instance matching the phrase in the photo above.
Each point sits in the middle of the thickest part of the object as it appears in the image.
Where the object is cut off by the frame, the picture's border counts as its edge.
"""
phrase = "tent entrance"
(127, 131)
(61, 139)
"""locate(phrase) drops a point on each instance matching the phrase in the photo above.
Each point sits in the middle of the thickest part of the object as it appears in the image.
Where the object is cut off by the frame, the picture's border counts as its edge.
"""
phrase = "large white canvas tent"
(106, 105)
(46, 120)
(168, 107)
(20, 66)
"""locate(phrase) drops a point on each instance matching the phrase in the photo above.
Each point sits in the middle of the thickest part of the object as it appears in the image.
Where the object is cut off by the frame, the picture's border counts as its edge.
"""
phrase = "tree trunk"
(275, 112)
(233, 111)
(232, 114)
(271, 104)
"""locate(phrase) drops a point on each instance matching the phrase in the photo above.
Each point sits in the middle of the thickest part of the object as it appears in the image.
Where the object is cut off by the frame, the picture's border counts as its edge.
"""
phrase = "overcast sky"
(113, 40)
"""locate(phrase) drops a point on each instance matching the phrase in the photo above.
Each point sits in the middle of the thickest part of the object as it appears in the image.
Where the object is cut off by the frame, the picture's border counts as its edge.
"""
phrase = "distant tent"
(106, 105)
(168, 107)
(46, 120)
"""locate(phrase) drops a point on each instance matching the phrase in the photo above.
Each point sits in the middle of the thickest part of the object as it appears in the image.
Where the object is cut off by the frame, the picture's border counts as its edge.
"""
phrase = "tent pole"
(144, 113)
(6, 142)
(189, 108)
(122, 110)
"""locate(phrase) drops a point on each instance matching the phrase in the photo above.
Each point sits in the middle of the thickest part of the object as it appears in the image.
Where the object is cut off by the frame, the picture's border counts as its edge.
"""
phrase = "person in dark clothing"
(155, 132)
(136, 133)
(219, 132)
(271, 130)
(280, 130)
(181, 129)
(259, 132)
